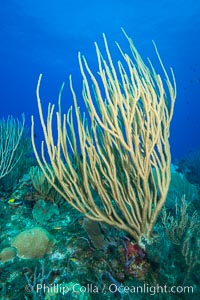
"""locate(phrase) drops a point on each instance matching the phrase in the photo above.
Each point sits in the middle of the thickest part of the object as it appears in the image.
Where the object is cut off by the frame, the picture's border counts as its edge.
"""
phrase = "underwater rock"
(33, 243)
(44, 211)
(7, 254)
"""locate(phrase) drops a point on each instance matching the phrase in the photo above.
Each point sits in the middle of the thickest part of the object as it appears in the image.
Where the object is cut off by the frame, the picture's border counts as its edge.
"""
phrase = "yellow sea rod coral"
(117, 168)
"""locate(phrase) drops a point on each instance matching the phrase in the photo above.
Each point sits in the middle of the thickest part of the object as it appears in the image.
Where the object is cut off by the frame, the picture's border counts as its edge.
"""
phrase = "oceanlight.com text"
(112, 288)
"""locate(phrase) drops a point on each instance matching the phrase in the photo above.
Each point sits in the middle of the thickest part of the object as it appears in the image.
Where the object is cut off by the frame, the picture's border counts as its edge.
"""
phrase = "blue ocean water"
(45, 36)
